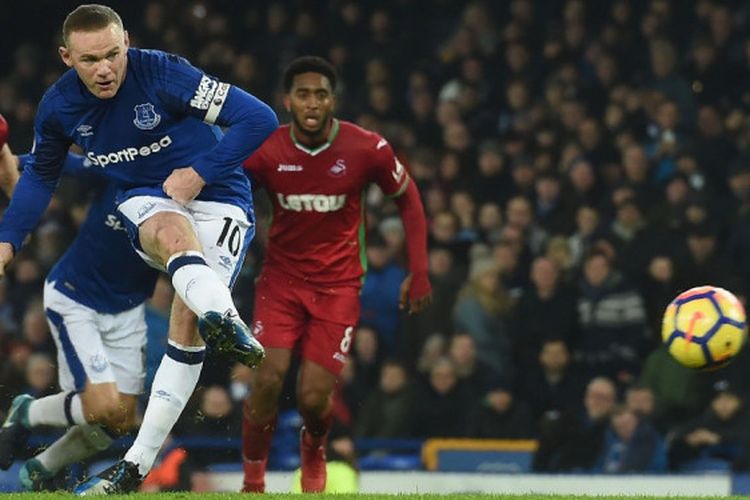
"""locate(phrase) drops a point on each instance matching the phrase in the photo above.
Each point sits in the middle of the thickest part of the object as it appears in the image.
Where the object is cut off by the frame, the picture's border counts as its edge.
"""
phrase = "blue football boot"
(122, 477)
(230, 335)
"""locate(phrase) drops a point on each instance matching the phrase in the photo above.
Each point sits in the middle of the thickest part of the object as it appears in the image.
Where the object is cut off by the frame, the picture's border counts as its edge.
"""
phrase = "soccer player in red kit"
(316, 170)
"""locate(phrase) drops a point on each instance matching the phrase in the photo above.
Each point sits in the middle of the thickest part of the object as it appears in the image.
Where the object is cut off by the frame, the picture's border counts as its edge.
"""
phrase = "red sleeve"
(415, 228)
(387, 172)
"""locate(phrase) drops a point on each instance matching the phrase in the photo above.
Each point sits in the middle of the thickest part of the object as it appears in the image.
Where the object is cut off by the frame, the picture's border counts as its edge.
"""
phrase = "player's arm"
(249, 121)
(36, 184)
(395, 182)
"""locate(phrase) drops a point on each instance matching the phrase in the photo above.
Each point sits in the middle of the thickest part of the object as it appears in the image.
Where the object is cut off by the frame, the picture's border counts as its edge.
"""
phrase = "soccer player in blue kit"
(94, 299)
(148, 120)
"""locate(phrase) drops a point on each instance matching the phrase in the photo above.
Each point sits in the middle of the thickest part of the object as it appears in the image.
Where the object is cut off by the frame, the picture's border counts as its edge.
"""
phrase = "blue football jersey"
(164, 116)
(100, 269)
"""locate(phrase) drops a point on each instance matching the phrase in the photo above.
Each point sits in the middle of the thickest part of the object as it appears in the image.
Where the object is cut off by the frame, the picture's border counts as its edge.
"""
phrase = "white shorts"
(223, 230)
(94, 346)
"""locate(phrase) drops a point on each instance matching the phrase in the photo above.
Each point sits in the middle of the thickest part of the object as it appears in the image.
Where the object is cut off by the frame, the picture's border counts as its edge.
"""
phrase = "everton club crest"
(146, 116)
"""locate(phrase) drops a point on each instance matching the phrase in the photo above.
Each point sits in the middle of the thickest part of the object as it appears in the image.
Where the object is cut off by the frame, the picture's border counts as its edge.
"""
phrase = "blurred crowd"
(580, 163)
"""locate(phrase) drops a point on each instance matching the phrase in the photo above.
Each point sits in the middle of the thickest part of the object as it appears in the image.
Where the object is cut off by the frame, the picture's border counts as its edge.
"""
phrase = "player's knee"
(268, 382)
(312, 401)
(171, 239)
(165, 234)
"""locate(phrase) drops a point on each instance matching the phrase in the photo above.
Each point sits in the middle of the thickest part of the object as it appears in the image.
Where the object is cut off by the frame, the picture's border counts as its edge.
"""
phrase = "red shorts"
(290, 312)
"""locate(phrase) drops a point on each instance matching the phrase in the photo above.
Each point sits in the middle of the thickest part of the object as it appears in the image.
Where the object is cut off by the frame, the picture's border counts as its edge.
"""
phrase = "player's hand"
(416, 291)
(3, 131)
(183, 185)
(6, 255)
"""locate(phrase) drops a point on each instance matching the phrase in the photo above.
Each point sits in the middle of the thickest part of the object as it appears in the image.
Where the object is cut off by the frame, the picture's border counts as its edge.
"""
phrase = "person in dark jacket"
(500, 416)
(386, 411)
(717, 434)
(440, 404)
(631, 444)
(571, 442)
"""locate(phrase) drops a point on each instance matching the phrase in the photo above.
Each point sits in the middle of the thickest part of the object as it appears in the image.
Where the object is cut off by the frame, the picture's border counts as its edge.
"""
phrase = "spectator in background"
(572, 442)
(716, 435)
(702, 262)
(666, 80)
(553, 384)
(631, 445)
(546, 309)
(520, 216)
(658, 289)
(552, 214)
(474, 374)
(483, 310)
(41, 376)
(612, 321)
(214, 416)
(498, 414)
(432, 350)
(666, 140)
(440, 403)
(713, 147)
(446, 279)
(368, 355)
(491, 182)
(587, 223)
(380, 293)
(387, 410)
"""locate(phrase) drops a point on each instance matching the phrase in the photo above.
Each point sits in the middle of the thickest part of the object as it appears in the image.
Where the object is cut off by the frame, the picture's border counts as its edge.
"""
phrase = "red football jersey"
(318, 227)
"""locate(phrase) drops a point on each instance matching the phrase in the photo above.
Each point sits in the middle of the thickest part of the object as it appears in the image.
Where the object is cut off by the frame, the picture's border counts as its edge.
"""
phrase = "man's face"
(311, 103)
(99, 57)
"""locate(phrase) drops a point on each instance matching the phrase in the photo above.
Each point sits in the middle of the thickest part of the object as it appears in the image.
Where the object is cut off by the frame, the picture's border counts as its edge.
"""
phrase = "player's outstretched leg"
(218, 322)
(78, 443)
(122, 477)
(15, 431)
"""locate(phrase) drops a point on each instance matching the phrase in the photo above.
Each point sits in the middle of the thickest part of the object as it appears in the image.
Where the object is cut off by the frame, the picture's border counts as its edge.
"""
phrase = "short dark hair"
(90, 17)
(309, 64)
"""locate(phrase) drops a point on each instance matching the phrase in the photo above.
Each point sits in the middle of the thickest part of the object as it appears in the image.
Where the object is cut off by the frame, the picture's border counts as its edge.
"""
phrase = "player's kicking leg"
(92, 404)
(197, 246)
(178, 373)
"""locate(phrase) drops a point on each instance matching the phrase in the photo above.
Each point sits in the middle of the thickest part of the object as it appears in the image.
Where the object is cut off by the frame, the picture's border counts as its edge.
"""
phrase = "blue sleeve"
(75, 165)
(39, 178)
(186, 89)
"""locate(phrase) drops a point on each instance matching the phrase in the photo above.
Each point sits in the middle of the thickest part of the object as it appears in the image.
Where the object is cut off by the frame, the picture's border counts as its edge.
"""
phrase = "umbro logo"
(85, 130)
(283, 167)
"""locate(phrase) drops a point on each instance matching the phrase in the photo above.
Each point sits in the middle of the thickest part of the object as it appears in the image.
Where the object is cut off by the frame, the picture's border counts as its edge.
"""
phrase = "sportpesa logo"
(128, 154)
(312, 202)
